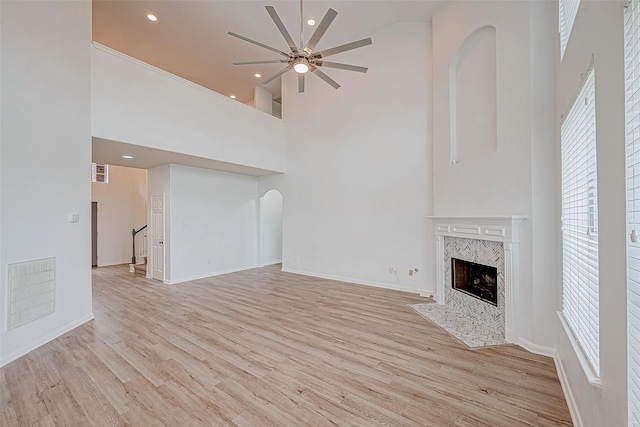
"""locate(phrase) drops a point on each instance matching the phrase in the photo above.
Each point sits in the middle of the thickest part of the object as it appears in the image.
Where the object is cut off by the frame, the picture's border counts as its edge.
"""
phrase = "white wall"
(501, 181)
(598, 30)
(46, 158)
(135, 103)
(122, 205)
(262, 99)
(213, 223)
(271, 228)
(357, 188)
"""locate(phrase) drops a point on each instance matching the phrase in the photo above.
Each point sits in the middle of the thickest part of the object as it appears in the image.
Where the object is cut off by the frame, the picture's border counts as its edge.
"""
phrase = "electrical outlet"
(393, 270)
(410, 272)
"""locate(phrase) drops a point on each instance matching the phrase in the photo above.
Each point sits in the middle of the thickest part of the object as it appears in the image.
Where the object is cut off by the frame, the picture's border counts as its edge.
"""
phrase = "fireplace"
(490, 241)
(478, 280)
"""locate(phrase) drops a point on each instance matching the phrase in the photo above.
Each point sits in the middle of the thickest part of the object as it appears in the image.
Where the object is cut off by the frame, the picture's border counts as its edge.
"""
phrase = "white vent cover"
(32, 291)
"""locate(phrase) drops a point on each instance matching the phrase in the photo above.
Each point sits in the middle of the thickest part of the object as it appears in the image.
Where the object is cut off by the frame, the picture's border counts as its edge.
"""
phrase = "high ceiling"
(190, 38)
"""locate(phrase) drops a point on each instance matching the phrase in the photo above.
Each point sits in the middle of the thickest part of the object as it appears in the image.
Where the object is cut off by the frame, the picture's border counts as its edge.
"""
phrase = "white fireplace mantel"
(495, 228)
(505, 229)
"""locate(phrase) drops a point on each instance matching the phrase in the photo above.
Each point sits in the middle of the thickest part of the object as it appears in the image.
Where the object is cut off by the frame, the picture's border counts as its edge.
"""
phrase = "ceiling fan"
(304, 59)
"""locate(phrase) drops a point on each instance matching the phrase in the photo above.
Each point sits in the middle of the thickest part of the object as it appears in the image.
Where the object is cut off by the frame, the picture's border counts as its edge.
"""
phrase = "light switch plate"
(74, 217)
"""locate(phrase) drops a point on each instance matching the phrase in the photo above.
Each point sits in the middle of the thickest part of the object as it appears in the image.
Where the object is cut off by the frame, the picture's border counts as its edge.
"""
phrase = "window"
(632, 131)
(567, 14)
(99, 173)
(580, 306)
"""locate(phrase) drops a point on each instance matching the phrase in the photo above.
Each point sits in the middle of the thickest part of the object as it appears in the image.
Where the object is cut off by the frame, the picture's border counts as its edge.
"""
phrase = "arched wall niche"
(473, 97)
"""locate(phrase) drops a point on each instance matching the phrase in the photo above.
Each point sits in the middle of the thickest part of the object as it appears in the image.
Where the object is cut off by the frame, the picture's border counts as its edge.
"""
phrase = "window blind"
(568, 9)
(632, 130)
(580, 306)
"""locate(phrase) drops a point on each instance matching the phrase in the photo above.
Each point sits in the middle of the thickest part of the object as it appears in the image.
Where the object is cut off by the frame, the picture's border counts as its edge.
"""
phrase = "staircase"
(134, 267)
(141, 268)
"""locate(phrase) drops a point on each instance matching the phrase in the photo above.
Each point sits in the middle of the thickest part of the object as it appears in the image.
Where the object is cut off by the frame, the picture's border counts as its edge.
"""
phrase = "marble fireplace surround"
(502, 229)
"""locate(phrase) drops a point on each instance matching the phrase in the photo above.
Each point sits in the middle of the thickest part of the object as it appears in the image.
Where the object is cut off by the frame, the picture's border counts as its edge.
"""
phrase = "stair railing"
(134, 232)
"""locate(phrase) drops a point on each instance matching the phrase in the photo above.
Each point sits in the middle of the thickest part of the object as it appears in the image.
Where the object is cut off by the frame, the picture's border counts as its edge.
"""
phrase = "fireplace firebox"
(479, 281)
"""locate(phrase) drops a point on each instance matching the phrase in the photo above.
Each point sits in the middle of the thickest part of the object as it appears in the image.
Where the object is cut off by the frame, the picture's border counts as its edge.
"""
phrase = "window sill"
(592, 376)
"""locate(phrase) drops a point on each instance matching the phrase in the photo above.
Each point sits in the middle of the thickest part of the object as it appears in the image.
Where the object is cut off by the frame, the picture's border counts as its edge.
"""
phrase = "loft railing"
(134, 232)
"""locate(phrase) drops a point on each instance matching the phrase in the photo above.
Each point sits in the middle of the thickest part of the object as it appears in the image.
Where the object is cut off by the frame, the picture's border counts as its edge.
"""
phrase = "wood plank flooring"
(266, 348)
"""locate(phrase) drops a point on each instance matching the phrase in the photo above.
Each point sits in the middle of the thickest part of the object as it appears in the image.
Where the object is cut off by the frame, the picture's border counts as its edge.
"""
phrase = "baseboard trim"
(212, 274)
(352, 280)
(562, 376)
(568, 394)
(42, 341)
(112, 263)
(271, 263)
(537, 349)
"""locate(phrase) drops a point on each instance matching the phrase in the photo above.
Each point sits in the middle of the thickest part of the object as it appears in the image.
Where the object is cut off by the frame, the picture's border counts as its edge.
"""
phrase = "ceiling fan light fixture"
(311, 22)
(301, 65)
(302, 58)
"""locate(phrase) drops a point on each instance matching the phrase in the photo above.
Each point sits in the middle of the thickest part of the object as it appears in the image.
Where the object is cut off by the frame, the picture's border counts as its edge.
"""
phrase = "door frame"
(94, 236)
(151, 271)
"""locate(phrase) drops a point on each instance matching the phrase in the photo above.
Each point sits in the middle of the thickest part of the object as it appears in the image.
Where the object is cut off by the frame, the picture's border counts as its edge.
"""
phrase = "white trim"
(495, 228)
(439, 297)
(112, 263)
(562, 376)
(568, 394)
(590, 373)
(271, 263)
(537, 349)
(504, 229)
(45, 339)
(211, 274)
(355, 281)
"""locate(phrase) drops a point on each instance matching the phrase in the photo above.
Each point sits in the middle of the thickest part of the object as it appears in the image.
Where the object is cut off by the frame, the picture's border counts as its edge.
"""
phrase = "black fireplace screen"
(477, 280)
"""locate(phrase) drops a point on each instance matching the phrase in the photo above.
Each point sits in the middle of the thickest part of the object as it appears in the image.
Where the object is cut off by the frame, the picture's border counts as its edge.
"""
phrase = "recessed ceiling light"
(152, 17)
(258, 75)
(127, 157)
(232, 97)
(311, 22)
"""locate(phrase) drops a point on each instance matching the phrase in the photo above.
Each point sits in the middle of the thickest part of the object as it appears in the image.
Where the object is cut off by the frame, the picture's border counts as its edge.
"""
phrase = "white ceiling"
(190, 40)
(190, 37)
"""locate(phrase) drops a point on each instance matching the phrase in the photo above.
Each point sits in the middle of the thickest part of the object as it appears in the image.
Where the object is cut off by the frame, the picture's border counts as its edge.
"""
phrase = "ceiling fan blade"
(282, 28)
(340, 66)
(342, 48)
(319, 32)
(300, 83)
(324, 77)
(273, 61)
(278, 74)
(258, 43)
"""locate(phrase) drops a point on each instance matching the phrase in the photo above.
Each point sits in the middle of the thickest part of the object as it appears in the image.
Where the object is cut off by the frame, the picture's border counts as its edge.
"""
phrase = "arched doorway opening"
(271, 228)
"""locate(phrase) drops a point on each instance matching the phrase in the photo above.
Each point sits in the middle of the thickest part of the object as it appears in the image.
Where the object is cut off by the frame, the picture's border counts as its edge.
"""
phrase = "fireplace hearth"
(478, 280)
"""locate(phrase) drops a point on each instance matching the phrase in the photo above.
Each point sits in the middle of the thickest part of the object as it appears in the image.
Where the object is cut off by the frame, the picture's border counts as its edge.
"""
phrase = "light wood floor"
(266, 348)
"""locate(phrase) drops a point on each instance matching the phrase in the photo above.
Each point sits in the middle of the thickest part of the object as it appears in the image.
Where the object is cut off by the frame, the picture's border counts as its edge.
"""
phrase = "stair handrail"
(134, 232)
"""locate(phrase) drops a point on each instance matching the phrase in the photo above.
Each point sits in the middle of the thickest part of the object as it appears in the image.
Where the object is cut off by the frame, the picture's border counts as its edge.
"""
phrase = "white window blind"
(580, 306)
(632, 129)
(568, 9)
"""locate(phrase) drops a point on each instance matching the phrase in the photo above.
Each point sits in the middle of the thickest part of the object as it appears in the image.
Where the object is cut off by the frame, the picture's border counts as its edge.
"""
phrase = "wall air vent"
(32, 291)
(99, 173)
